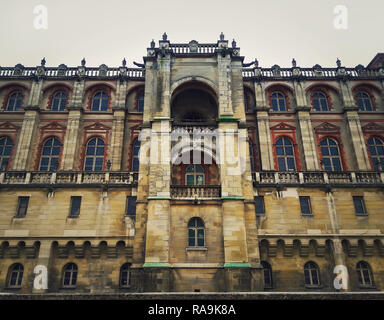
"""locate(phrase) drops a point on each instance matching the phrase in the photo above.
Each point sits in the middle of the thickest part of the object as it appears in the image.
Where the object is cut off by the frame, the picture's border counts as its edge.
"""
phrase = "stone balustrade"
(67, 178)
(195, 192)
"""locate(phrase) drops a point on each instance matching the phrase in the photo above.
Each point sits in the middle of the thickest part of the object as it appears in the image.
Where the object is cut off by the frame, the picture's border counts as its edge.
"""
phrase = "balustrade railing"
(195, 192)
(65, 178)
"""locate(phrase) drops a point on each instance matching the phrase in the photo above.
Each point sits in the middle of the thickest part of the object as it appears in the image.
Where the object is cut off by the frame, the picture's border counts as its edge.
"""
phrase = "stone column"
(117, 137)
(44, 260)
(225, 80)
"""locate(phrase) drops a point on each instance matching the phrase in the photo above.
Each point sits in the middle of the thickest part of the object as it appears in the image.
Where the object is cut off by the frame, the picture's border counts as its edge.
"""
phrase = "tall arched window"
(125, 275)
(15, 100)
(278, 102)
(267, 273)
(376, 151)
(69, 275)
(15, 275)
(330, 153)
(140, 101)
(136, 156)
(6, 146)
(59, 101)
(320, 101)
(194, 175)
(100, 101)
(94, 158)
(364, 274)
(364, 101)
(49, 160)
(311, 274)
(196, 233)
(285, 154)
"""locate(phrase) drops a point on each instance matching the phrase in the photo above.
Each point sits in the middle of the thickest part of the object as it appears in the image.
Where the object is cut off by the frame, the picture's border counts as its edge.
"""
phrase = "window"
(6, 146)
(196, 230)
(15, 275)
(94, 158)
(259, 205)
(285, 154)
(59, 101)
(194, 175)
(376, 151)
(311, 274)
(49, 160)
(278, 102)
(267, 273)
(248, 106)
(251, 157)
(359, 204)
(125, 275)
(331, 160)
(75, 207)
(364, 274)
(364, 101)
(136, 156)
(100, 101)
(305, 205)
(140, 102)
(22, 207)
(130, 209)
(320, 101)
(69, 275)
(14, 101)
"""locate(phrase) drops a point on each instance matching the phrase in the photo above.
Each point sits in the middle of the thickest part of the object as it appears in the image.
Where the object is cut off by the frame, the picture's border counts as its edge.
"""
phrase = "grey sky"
(274, 31)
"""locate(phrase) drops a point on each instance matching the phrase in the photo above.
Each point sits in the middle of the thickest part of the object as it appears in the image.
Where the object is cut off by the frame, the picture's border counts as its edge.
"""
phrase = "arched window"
(364, 101)
(49, 160)
(285, 154)
(94, 158)
(376, 151)
(59, 101)
(14, 101)
(320, 101)
(311, 274)
(194, 175)
(267, 273)
(100, 101)
(196, 233)
(6, 146)
(140, 101)
(125, 275)
(69, 275)
(136, 156)
(278, 102)
(331, 160)
(15, 275)
(364, 274)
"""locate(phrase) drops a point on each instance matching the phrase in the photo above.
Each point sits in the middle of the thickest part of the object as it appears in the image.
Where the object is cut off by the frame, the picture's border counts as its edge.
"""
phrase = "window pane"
(281, 164)
(259, 205)
(291, 164)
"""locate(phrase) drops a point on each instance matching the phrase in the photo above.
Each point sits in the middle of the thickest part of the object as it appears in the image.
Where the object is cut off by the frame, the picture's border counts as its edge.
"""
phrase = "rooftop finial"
(233, 43)
(338, 62)
(165, 37)
(221, 36)
(83, 62)
(153, 43)
(294, 63)
(124, 62)
(256, 63)
(43, 62)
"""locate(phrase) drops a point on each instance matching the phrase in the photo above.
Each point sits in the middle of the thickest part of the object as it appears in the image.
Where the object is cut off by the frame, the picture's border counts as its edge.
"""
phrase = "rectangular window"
(75, 207)
(305, 205)
(130, 209)
(259, 205)
(22, 207)
(359, 206)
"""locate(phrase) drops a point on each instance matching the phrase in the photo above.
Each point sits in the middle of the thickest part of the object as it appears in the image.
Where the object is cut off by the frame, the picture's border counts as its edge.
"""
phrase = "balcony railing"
(195, 192)
(318, 178)
(67, 178)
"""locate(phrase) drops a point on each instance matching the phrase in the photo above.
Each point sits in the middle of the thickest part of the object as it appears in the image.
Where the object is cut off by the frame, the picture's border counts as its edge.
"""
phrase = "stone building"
(193, 172)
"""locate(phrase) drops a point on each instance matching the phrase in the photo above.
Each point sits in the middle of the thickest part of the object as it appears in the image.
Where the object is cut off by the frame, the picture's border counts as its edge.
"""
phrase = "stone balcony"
(195, 192)
(67, 178)
(319, 178)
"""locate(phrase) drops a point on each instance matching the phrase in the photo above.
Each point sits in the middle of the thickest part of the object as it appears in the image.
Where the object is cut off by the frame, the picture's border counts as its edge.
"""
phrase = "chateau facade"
(194, 172)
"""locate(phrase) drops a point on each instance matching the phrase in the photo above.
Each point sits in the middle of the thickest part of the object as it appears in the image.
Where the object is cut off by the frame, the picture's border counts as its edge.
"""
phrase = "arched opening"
(194, 102)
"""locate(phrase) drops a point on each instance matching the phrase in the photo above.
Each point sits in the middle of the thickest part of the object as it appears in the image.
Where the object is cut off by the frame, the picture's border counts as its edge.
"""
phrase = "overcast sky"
(274, 31)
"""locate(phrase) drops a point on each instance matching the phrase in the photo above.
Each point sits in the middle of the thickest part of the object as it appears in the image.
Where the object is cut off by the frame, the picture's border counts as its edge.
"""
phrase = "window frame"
(19, 206)
(195, 228)
(362, 203)
(365, 98)
(285, 156)
(127, 269)
(309, 205)
(267, 267)
(60, 99)
(19, 277)
(128, 206)
(71, 207)
(310, 267)
(94, 156)
(50, 156)
(101, 99)
(323, 97)
(278, 96)
(3, 157)
(330, 156)
(255, 198)
(195, 174)
(72, 271)
(362, 266)
(19, 97)
(378, 157)
(135, 157)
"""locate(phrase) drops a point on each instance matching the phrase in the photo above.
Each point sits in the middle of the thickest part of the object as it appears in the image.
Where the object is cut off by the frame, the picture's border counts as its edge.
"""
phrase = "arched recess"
(194, 102)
